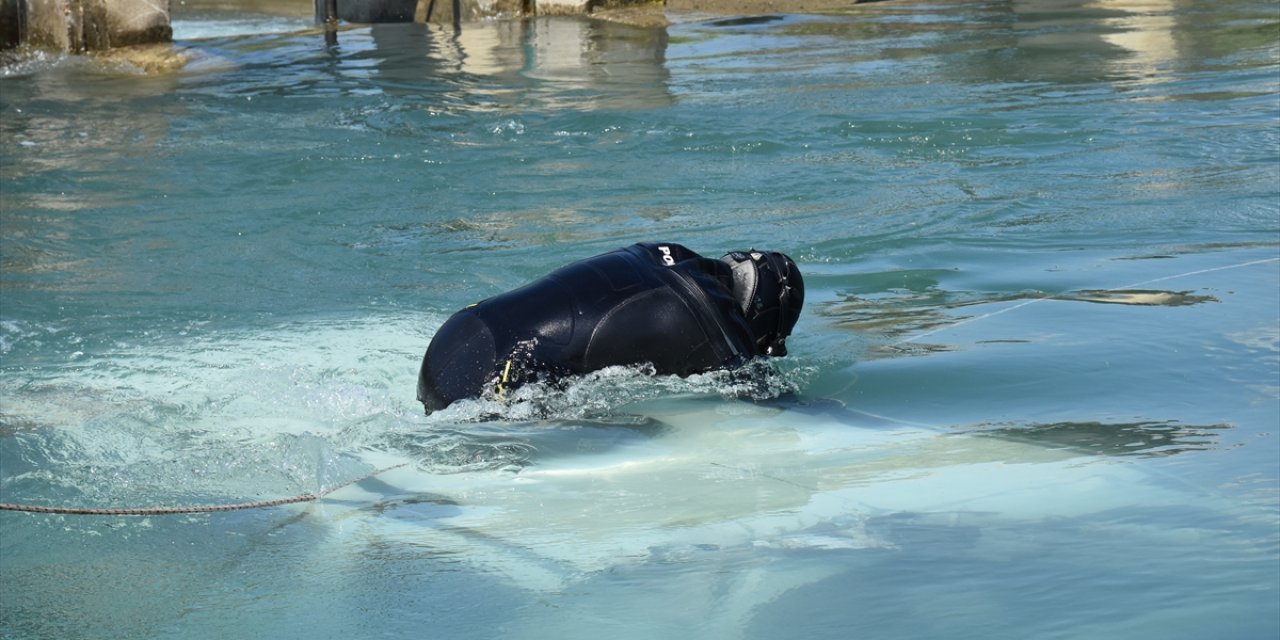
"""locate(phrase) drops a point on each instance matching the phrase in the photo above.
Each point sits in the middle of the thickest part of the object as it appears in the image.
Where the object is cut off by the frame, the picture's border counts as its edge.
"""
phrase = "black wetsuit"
(656, 303)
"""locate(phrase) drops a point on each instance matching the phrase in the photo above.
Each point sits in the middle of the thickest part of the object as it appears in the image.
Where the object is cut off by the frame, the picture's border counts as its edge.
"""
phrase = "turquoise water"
(1035, 392)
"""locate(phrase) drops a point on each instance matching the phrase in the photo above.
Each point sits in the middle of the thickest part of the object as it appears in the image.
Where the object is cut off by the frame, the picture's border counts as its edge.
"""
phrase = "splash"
(605, 393)
(203, 415)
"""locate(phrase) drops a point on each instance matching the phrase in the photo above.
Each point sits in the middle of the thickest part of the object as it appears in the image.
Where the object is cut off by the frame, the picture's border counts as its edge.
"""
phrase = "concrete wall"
(94, 25)
(451, 11)
(561, 7)
(368, 11)
(455, 11)
(83, 25)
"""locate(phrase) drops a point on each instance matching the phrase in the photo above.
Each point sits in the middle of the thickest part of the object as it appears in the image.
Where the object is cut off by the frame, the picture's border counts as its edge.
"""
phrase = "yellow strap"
(506, 372)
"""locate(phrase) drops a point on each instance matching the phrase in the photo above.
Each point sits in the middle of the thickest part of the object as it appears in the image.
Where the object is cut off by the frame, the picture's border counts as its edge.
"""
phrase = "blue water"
(1035, 392)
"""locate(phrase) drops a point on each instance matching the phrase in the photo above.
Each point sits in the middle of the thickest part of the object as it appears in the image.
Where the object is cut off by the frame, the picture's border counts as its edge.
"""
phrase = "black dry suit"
(656, 303)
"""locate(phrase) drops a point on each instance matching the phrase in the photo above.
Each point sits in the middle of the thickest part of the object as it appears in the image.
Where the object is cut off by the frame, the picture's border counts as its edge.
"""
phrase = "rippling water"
(1035, 392)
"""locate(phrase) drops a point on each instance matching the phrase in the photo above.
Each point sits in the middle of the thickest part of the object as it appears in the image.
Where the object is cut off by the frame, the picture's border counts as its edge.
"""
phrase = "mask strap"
(783, 273)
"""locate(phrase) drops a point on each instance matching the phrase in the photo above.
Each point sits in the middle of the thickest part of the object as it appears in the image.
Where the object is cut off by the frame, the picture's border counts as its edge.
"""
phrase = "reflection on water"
(1132, 42)
(1145, 30)
(144, 141)
(552, 63)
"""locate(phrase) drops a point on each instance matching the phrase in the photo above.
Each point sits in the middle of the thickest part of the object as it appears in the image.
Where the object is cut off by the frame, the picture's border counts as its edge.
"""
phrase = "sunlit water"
(1034, 394)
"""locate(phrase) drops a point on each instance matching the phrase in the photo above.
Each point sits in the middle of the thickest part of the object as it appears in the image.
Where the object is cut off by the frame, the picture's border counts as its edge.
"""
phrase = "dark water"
(1035, 391)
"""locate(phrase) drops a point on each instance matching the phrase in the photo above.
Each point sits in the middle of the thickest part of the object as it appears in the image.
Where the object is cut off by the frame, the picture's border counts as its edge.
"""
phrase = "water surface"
(1034, 393)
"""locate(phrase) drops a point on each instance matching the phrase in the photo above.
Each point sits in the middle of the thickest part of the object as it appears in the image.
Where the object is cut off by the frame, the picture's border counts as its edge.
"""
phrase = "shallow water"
(1035, 391)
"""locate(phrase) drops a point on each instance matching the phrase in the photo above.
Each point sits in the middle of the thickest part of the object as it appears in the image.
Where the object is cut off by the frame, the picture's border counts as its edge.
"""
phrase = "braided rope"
(206, 508)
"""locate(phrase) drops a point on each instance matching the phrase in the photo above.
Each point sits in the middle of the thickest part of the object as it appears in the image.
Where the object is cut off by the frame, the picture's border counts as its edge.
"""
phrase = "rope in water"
(206, 508)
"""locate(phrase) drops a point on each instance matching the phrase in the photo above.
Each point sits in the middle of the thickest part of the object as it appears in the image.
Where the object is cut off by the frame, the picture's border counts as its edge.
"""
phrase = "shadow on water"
(915, 305)
(1150, 438)
(1141, 439)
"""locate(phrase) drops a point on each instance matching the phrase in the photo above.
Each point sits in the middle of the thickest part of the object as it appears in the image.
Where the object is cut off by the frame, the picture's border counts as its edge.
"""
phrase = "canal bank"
(79, 26)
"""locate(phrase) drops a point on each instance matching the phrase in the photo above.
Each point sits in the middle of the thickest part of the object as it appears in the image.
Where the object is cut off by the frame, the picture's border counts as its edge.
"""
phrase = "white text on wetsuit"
(666, 255)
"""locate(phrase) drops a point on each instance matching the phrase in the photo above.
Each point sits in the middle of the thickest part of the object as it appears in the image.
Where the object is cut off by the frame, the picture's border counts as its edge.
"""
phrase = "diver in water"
(655, 303)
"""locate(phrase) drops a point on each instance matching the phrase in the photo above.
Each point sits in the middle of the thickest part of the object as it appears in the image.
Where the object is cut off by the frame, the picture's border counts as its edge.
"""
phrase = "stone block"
(83, 25)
